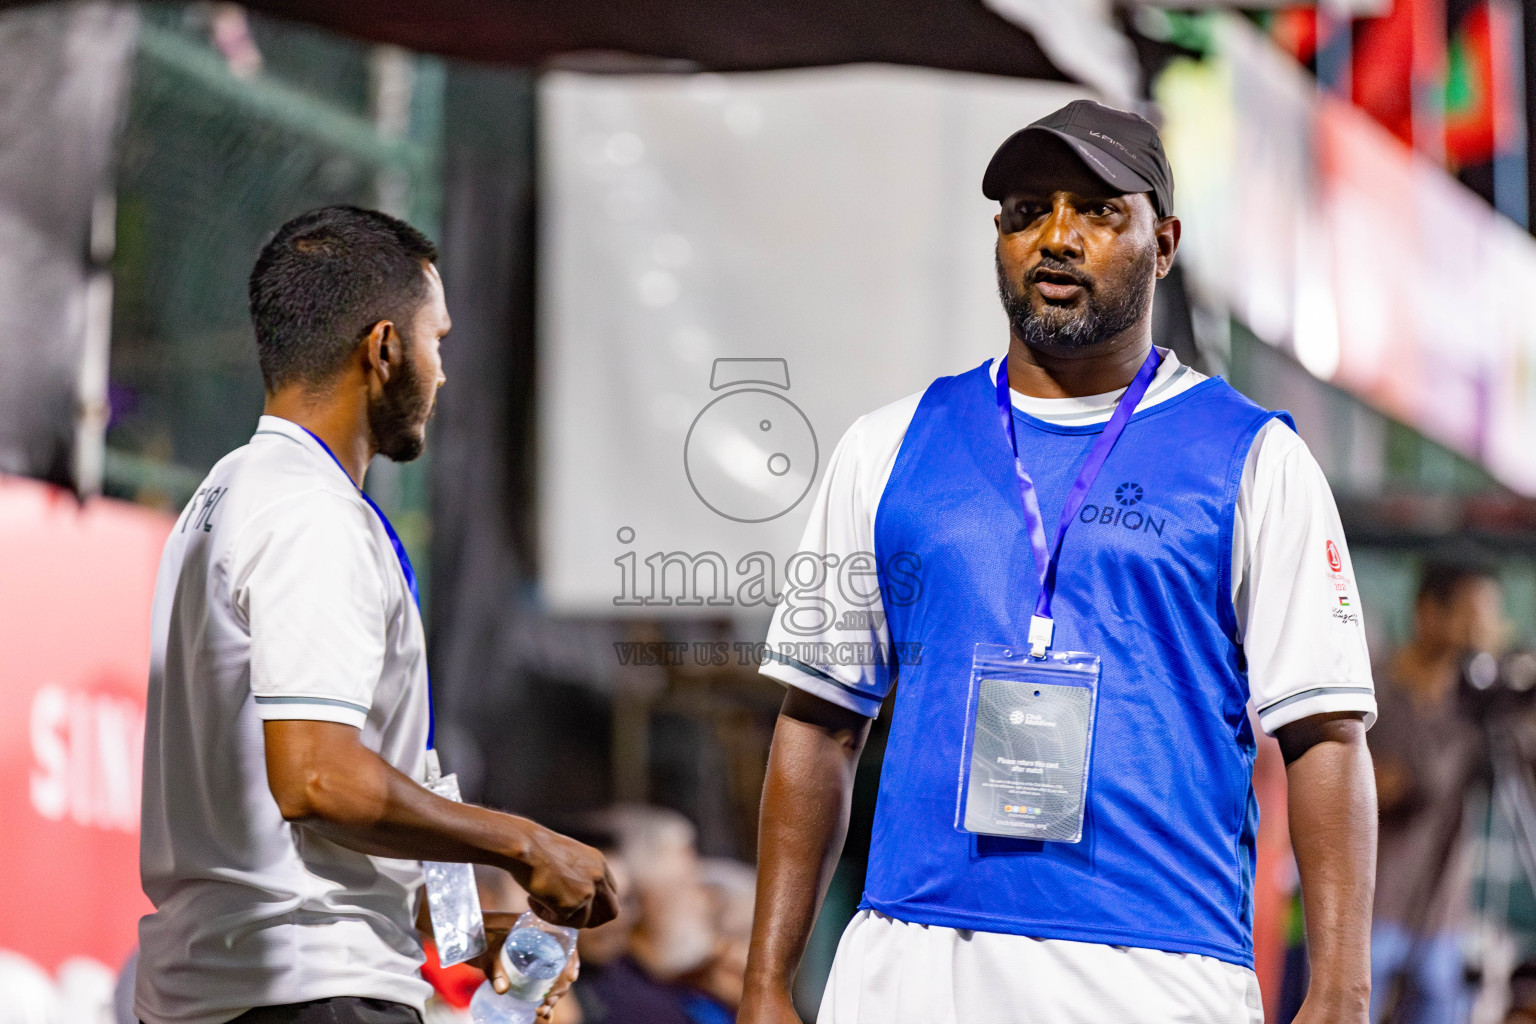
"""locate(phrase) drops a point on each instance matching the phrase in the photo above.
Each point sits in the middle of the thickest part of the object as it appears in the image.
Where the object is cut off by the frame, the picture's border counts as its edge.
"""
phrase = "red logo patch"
(1334, 561)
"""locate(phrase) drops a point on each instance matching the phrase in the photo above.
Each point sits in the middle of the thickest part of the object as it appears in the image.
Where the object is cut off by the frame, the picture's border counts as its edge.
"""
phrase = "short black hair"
(324, 280)
(1444, 576)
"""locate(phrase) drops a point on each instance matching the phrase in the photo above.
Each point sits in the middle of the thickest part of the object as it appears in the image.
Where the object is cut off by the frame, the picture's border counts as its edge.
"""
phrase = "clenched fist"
(568, 882)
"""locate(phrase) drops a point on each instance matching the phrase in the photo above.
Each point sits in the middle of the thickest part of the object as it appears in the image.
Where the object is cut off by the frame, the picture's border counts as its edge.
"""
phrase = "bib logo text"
(1124, 513)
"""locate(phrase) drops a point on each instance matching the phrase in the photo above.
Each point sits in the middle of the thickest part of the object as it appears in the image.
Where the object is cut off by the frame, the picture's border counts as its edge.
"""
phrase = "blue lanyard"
(400, 553)
(1047, 558)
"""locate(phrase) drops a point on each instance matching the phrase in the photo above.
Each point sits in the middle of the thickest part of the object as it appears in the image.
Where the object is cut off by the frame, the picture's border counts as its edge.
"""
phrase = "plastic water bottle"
(533, 956)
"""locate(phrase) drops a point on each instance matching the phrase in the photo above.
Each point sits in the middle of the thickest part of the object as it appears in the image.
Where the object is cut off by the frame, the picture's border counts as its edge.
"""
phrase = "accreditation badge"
(1028, 740)
(458, 927)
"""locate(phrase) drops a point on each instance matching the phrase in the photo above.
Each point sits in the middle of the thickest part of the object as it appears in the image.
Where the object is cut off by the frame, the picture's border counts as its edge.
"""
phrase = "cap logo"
(1106, 138)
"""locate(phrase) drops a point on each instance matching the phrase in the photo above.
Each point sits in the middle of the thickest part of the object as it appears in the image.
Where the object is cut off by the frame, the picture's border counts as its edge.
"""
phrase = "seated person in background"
(599, 949)
(1522, 995)
(1426, 753)
(717, 986)
(672, 929)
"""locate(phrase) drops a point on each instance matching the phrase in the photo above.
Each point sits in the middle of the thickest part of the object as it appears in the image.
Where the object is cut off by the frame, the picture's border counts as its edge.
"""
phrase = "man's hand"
(568, 882)
(497, 927)
(561, 986)
(767, 1006)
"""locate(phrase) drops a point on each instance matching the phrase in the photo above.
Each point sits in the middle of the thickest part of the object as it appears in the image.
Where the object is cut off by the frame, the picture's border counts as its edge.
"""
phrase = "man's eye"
(1100, 209)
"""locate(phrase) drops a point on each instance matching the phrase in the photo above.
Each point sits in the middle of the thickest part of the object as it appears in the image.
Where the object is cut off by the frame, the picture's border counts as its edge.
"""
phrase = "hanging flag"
(1383, 69)
(1470, 91)
(1294, 30)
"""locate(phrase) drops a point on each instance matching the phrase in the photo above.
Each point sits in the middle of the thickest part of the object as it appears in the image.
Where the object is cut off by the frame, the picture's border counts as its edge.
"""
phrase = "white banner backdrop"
(732, 270)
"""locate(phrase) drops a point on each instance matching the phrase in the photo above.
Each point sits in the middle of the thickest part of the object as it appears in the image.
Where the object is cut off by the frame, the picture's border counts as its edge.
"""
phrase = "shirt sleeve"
(829, 635)
(1298, 609)
(307, 576)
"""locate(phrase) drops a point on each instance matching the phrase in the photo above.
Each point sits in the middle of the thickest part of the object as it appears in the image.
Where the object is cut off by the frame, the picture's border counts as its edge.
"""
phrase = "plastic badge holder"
(458, 928)
(1028, 740)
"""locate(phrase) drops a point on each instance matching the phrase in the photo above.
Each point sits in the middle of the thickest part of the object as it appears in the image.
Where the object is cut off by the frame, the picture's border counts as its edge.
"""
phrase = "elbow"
(319, 772)
(300, 799)
(322, 795)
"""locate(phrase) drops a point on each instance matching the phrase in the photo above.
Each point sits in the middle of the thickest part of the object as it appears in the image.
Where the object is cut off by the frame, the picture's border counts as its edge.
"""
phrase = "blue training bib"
(1166, 856)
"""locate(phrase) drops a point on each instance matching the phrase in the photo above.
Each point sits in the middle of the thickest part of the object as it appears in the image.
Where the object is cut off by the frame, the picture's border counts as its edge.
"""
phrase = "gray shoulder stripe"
(1319, 691)
(329, 701)
(812, 670)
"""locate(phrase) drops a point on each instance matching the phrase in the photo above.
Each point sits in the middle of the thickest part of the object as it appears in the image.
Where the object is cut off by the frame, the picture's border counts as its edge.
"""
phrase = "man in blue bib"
(1087, 503)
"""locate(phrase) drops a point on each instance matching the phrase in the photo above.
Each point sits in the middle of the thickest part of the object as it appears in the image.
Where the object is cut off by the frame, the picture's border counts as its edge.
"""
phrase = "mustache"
(1057, 268)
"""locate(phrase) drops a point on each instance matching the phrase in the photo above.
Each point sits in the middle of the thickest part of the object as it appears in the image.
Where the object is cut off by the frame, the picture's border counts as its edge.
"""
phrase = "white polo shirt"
(279, 596)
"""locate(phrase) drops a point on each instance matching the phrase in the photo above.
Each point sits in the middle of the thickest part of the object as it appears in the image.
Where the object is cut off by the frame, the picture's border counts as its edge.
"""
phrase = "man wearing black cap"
(1091, 563)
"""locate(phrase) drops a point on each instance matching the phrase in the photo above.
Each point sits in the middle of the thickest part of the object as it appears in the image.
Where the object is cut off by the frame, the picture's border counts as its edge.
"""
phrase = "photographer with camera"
(1428, 750)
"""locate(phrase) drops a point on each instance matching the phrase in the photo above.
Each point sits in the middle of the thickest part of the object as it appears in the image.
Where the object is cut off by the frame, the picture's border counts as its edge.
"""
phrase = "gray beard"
(1103, 316)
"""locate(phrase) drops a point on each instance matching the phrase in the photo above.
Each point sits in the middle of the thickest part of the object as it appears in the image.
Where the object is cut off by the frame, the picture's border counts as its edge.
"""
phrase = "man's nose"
(1060, 237)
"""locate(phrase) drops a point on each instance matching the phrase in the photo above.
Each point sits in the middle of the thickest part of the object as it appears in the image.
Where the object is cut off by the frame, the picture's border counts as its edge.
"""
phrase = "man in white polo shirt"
(289, 721)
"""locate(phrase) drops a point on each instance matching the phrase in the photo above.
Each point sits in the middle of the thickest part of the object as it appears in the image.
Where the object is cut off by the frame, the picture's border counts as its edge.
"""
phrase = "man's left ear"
(1168, 231)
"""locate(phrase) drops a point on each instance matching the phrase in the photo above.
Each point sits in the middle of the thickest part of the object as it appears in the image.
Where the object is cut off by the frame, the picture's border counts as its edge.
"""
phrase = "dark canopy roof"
(713, 35)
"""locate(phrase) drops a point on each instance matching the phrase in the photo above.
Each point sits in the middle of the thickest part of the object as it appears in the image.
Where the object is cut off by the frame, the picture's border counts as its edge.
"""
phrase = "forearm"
(354, 798)
(1332, 808)
(324, 779)
(803, 823)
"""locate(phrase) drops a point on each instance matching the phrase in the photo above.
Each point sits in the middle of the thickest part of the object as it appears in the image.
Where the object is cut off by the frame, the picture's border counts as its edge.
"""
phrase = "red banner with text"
(76, 584)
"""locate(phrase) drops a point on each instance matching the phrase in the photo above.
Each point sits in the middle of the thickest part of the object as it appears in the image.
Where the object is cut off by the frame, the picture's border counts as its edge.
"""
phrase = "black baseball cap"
(1120, 148)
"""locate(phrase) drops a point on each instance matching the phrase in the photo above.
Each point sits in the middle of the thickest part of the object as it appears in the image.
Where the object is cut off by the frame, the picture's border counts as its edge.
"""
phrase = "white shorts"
(893, 972)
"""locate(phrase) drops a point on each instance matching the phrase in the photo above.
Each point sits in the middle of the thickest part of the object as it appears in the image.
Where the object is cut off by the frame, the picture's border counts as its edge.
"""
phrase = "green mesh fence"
(235, 124)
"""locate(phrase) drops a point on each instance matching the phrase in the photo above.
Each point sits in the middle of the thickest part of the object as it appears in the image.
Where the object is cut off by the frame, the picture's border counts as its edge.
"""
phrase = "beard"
(1103, 314)
(398, 418)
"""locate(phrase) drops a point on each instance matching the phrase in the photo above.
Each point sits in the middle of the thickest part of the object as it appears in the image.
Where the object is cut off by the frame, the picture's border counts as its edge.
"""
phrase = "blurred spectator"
(1522, 995)
(1426, 753)
(717, 985)
(665, 931)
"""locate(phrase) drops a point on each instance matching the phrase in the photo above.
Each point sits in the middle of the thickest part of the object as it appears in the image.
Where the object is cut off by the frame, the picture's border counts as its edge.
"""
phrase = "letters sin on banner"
(74, 664)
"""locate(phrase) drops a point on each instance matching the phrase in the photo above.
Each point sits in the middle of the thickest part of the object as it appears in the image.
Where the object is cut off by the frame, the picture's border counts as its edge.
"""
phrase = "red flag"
(1383, 69)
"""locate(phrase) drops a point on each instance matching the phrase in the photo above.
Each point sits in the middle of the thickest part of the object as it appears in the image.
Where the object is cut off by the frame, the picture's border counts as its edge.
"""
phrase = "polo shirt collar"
(326, 464)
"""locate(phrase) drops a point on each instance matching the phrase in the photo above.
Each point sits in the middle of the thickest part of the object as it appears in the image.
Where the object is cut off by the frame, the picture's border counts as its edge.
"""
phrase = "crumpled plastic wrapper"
(458, 928)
